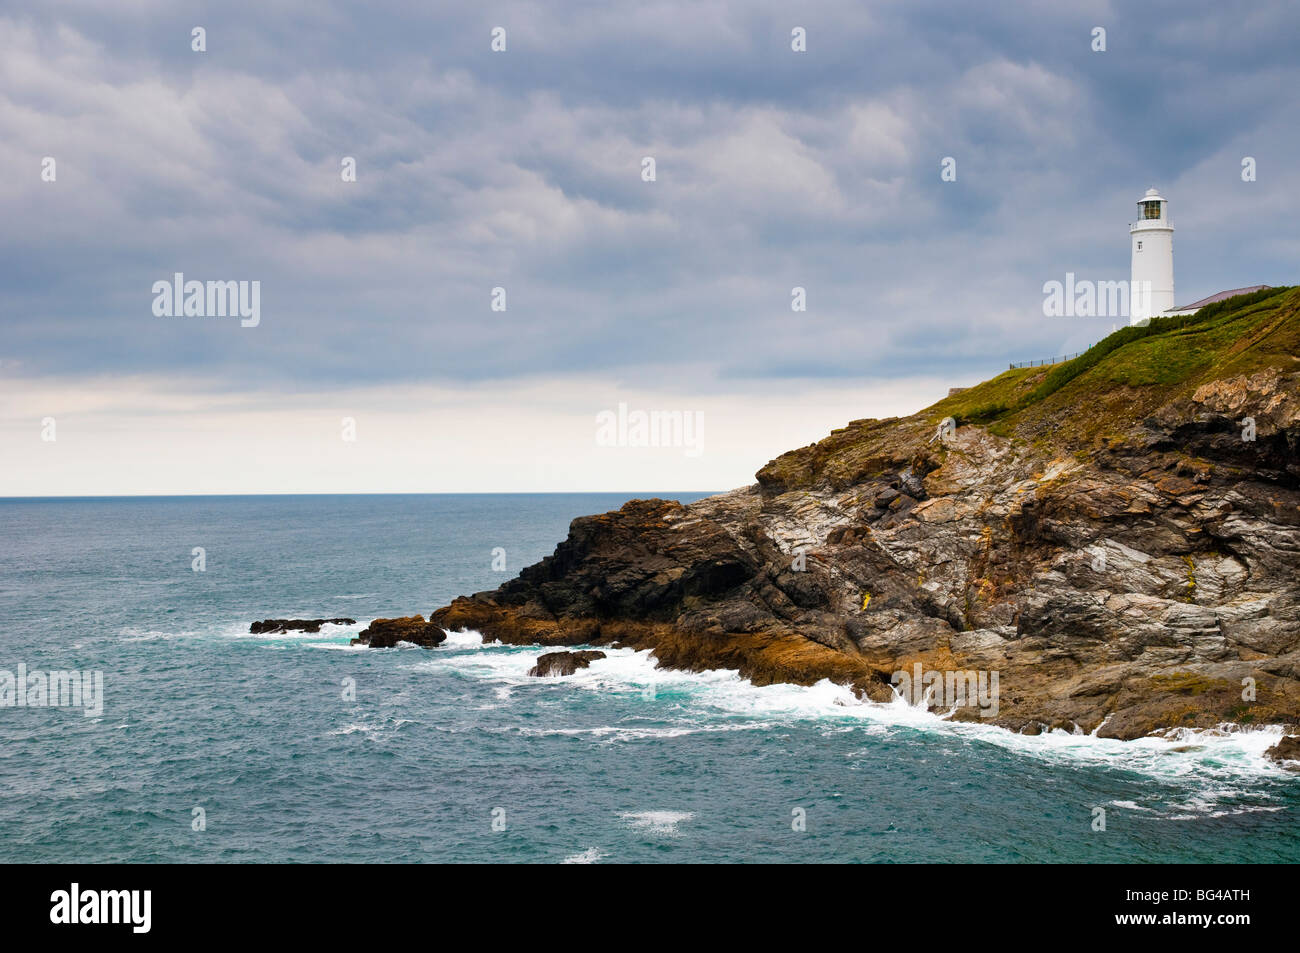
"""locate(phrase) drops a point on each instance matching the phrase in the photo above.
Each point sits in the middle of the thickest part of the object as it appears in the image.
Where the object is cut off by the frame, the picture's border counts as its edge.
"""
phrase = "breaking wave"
(1210, 769)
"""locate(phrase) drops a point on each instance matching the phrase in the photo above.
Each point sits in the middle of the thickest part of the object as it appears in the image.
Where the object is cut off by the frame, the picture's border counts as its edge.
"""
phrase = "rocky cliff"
(1118, 537)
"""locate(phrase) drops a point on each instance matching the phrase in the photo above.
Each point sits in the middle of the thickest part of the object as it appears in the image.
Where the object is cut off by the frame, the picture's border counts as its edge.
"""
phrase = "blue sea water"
(455, 754)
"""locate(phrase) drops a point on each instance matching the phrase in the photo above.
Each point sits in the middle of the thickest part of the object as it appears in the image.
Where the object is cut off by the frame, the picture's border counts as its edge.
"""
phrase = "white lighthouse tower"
(1151, 287)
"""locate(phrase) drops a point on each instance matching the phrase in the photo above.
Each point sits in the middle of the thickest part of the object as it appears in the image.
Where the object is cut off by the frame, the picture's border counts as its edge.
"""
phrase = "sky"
(378, 363)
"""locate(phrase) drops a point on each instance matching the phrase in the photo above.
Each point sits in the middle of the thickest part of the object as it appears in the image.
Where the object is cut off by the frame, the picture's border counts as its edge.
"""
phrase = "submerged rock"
(273, 626)
(563, 663)
(386, 633)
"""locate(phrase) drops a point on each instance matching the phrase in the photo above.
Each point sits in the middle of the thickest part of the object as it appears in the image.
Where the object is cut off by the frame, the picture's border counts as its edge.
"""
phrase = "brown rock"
(1117, 552)
(386, 633)
(274, 626)
(1288, 749)
(563, 663)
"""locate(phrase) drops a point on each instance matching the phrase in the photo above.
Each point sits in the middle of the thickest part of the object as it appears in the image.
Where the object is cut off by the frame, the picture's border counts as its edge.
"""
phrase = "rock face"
(563, 663)
(1288, 749)
(386, 633)
(1122, 550)
(273, 626)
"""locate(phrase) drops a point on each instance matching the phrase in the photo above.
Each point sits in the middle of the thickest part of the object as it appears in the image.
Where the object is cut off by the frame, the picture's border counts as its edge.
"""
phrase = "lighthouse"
(1151, 288)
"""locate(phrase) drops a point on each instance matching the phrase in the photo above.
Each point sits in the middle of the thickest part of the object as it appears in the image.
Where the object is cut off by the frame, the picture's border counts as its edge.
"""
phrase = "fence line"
(1047, 361)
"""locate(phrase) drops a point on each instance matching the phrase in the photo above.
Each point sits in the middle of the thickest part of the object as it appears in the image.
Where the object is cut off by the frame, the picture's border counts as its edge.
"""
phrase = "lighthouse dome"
(1154, 208)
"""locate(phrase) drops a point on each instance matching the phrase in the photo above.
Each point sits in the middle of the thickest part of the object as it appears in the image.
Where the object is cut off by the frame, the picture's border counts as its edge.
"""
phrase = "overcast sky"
(522, 169)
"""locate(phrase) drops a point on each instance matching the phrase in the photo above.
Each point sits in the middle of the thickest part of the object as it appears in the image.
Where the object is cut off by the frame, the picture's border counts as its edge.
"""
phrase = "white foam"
(354, 728)
(591, 855)
(722, 700)
(663, 823)
(463, 639)
(627, 733)
(370, 729)
(239, 630)
(132, 634)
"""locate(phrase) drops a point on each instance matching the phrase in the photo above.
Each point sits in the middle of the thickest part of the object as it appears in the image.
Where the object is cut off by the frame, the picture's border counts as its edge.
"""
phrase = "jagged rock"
(386, 633)
(1117, 550)
(910, 483)
(1288, 749)
(273, 626)
(563, 663)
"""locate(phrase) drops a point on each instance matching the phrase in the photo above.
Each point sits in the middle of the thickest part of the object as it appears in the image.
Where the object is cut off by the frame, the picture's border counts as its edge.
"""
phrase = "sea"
(211, 745)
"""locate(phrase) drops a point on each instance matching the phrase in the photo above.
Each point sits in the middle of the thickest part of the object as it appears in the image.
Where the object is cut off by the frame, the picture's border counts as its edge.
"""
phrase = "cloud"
(158, 435)
(521, 170)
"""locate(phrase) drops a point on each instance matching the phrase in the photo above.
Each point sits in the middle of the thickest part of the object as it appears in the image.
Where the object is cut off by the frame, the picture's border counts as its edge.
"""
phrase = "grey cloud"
(522, 170)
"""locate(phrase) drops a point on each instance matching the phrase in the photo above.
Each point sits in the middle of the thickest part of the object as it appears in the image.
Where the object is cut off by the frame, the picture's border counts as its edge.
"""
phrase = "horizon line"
(185, 496)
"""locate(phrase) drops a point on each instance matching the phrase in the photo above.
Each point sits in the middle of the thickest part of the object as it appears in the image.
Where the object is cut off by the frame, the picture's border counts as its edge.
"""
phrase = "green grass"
(1157, 362)
(1077, 406)
(1165, 352)
(987, 401)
